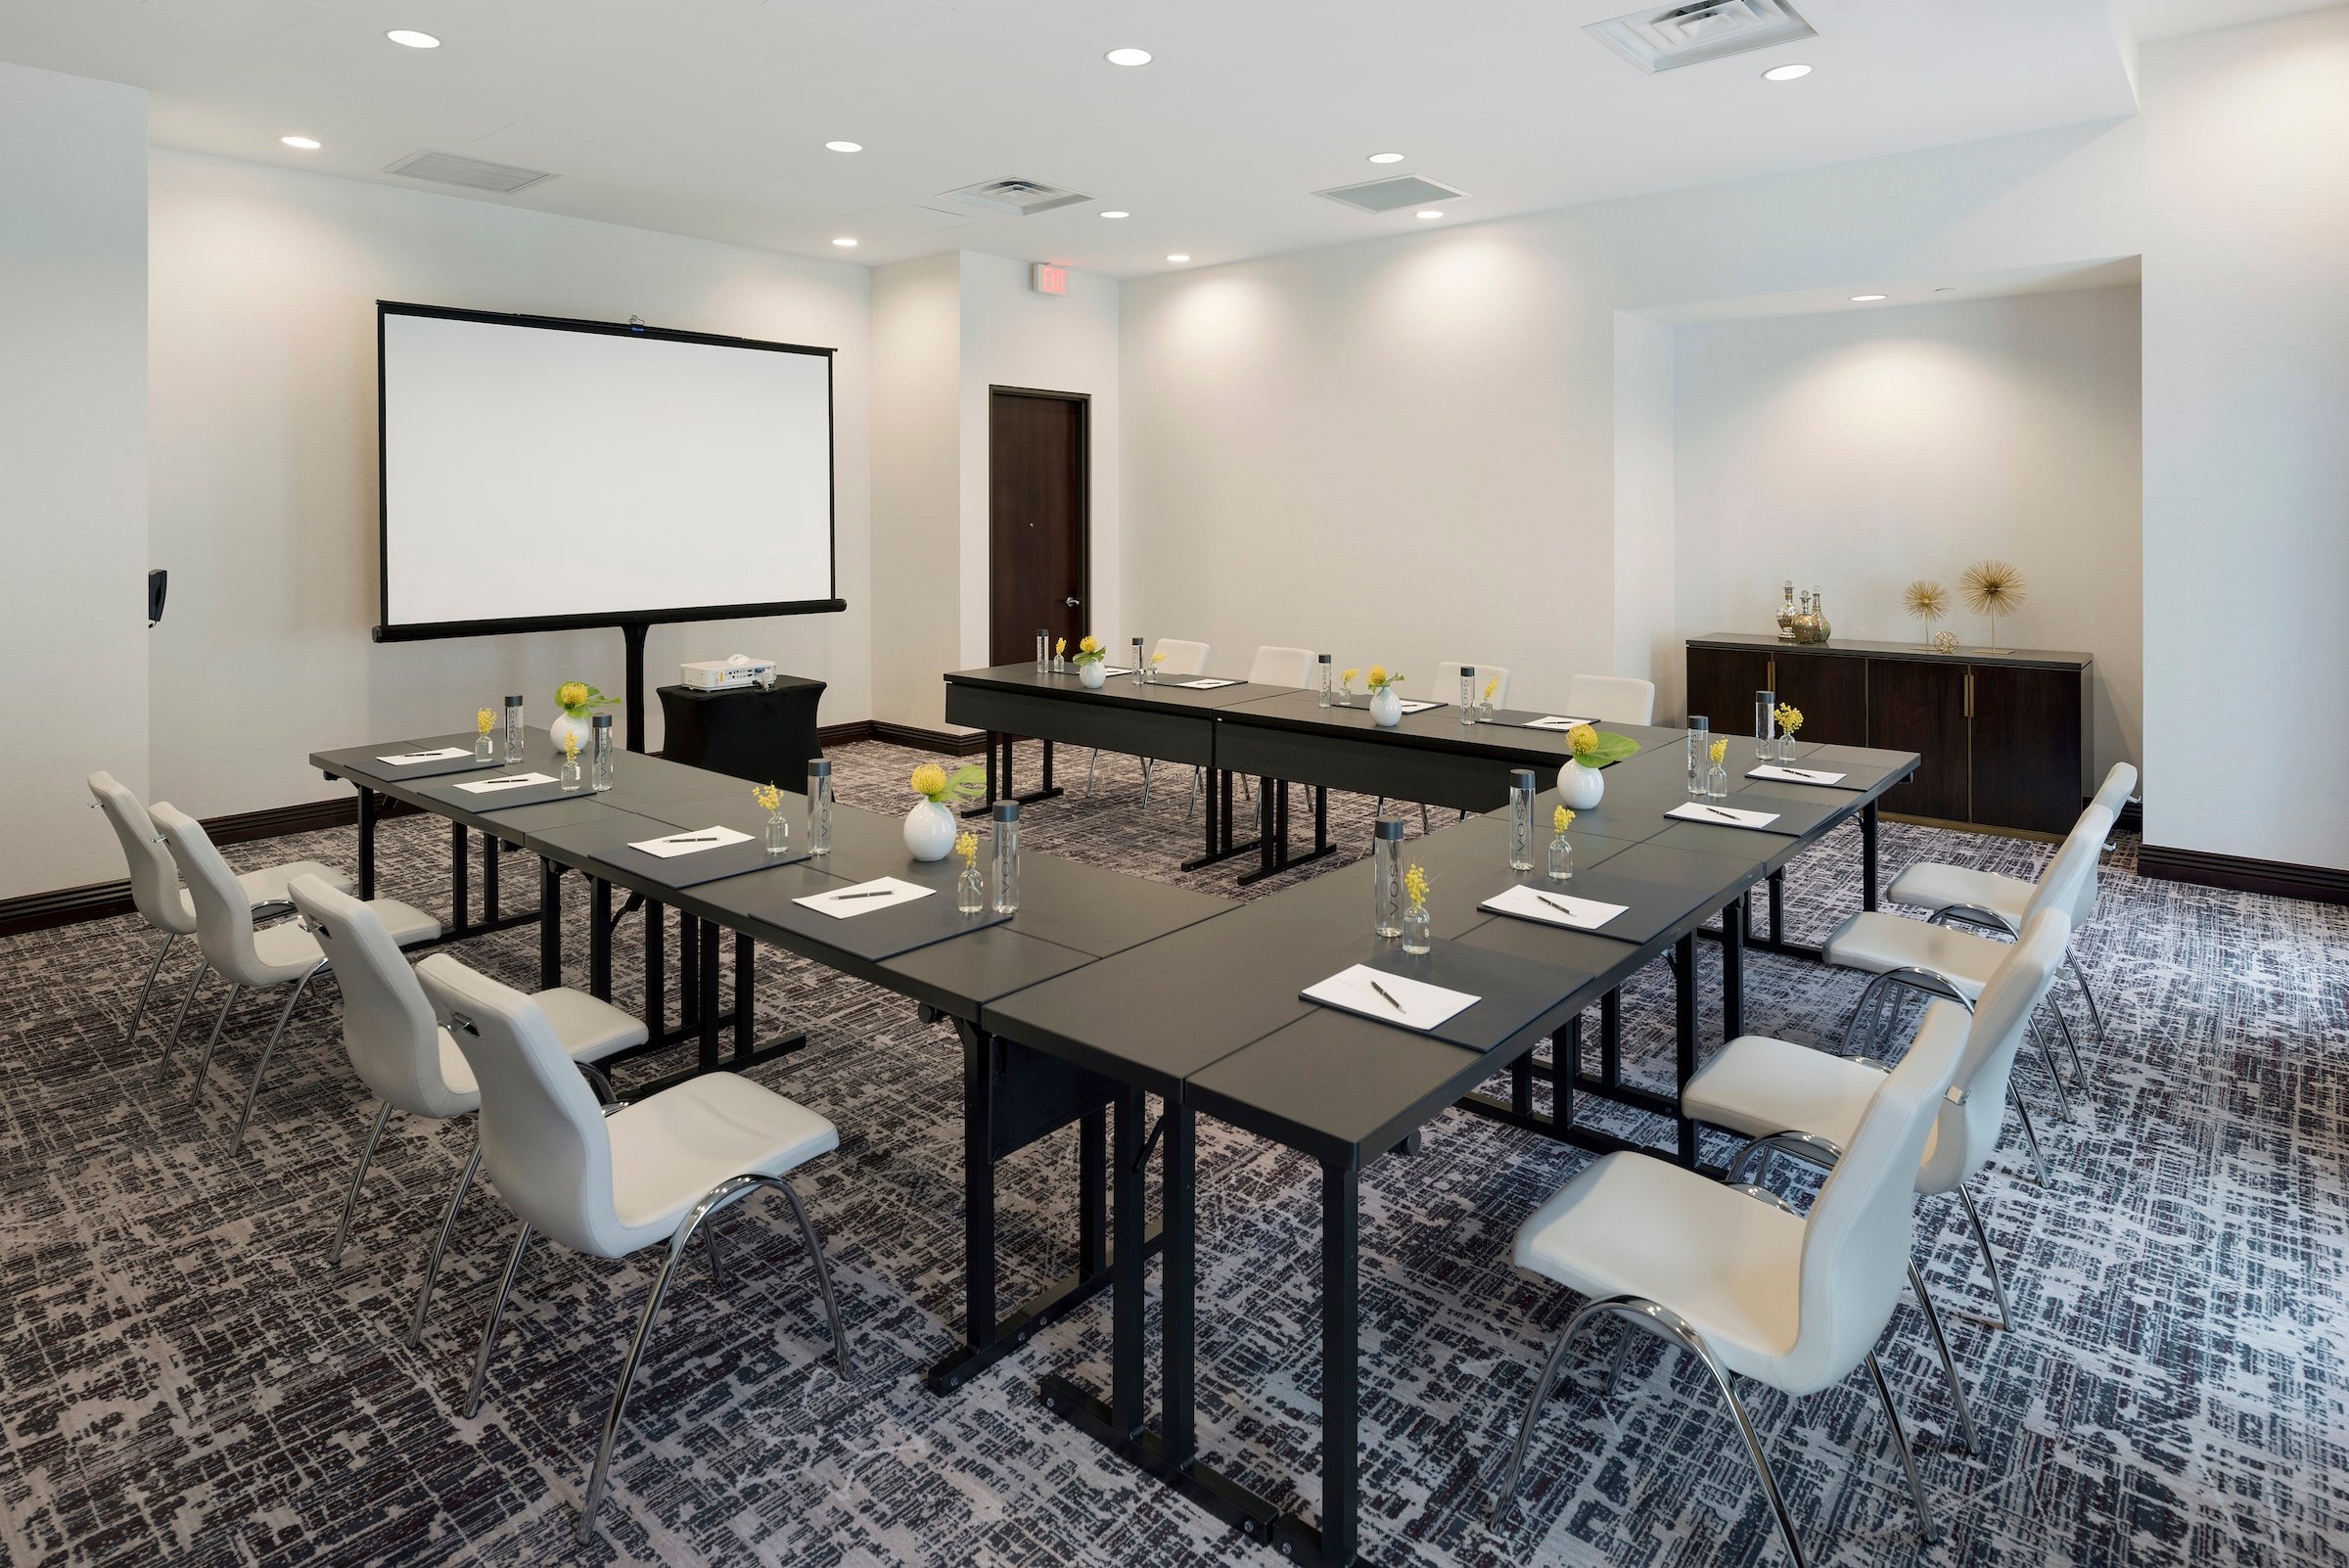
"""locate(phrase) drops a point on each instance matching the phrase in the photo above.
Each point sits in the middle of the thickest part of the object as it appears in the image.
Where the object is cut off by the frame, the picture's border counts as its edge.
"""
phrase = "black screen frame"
(423, 631)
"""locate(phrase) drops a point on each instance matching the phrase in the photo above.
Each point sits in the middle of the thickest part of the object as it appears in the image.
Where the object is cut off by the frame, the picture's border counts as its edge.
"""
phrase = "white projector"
(724, 674)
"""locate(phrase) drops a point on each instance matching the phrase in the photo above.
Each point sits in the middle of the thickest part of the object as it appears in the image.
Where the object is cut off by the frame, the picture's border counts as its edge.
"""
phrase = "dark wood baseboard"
(925, 740)
(2280, 879)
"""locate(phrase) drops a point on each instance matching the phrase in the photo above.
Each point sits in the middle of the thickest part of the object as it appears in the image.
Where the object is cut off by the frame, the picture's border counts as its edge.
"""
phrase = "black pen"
(706, 838)
(877, 893)
(1718, 811)
(518, 778)
(1555, 904)
(1382, 990)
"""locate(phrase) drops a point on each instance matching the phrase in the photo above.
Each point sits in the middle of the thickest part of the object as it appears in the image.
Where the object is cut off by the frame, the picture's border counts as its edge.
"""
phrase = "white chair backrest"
(1857, 1238)
(154, 878)
(1182, 657)
(2069, 882)
(1282, 666)
(1968, 1133)
(388, 1026)
(1615, 698)
(223, 913)
(1447, 688)
(543, 1138)
(2113, 793)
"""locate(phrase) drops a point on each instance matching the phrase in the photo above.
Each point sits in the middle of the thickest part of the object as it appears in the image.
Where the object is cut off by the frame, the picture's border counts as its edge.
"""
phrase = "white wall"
(73, 468)
(1855, 451)
(2247, 438)
(917, 496)
(263, 423)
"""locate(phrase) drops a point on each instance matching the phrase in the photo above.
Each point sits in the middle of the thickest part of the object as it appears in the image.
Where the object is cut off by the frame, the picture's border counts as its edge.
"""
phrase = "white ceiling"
(708, 116)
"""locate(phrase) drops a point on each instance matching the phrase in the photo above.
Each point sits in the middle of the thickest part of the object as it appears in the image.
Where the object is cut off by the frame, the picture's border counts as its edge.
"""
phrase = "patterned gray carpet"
(183, 1379)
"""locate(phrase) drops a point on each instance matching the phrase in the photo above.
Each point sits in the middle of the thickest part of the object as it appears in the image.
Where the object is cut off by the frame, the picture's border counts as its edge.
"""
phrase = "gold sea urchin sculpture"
(1926, 601)
(1993, 588)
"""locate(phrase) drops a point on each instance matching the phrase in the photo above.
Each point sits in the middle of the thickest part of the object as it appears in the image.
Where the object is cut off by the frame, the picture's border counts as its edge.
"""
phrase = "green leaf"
(1612, 748)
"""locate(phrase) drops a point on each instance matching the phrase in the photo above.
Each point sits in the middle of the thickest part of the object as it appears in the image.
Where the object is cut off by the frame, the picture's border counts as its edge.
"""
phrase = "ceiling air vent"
(1699, 30)
(1019, 197)
(1385, 195)
(472, 173)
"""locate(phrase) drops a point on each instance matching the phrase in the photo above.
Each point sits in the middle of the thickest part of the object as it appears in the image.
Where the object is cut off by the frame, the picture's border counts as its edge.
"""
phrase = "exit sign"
(1045, 277)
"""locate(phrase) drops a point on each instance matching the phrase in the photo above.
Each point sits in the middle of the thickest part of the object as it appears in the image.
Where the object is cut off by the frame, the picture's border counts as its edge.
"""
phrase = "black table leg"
(367, 810)
(1610, 1038)
(689, 965)
(550, 924)
(1565, 1061)
(656, 970)
(1093, 1191)
(1273, 832)
(1322, 844)
(704, 934)
(1733, 969)
(1521, 1083)
(1778, 908)
(1218, 814)
(599, 938)
(460, 878)
(1870, 823)
(744, 991)
(1334, 1542)
(491, 849)
(1178, 1266)
(1683, 987)
(1125, 1218)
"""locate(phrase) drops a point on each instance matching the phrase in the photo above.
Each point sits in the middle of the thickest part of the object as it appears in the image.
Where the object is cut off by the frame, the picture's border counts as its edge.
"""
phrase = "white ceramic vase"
(929, 831)
(1091, 675)
(1386, 707)
(564, 725)
(1580, 787)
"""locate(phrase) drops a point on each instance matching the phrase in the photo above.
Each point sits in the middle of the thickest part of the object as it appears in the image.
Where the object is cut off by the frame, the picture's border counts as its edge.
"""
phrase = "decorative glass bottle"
(1386, 878)
(484, 748)
(1007, 856)
(1716, 782)
(1418, 934)
(601, 760)
(1140, 665)
(1786, 614)
(970, 888)
(1765, 719)
(1786, 746)
(1561, 860)
(1467, 694)
(514, 732)
(1323, 674)
(1522, 790)
(778, 829)
(1044, 650)
(1818, 612)
(819, 805)
(1700, 745)
(572, 774)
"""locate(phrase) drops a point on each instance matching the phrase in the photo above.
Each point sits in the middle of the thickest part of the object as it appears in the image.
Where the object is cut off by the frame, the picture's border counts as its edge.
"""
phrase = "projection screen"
(540, 473)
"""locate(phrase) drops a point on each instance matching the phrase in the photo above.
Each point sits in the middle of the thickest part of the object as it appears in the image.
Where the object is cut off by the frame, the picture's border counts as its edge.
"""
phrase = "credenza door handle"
(1969, 692)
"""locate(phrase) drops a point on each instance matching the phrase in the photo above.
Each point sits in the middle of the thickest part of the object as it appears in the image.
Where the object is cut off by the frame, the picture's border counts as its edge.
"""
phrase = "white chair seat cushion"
(590, 1030)
(1756, 1084)
(268, 885)
(1632, 1225)
(669, 1151)
(289, 953)
(1936, 887)
(1877, 942)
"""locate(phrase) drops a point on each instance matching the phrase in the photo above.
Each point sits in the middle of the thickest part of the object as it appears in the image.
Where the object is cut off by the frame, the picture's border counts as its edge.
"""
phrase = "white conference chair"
(1990, 901)
(611, 1182)
(1446, 689)
(165, 907)
(1612, 699)
(250, 957)
(1735, 1278)
(1176, 657)
(1939, 961)
(410, 1063)
(1809, 1103)
(1274, 665)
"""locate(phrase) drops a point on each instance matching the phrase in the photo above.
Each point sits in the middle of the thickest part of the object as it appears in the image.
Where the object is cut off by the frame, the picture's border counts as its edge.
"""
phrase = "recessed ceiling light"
(1127, 56)
(843, 147)
(845, 242)
(1117, 214)
(412, 38)
(1178, 256)
(306, 143)
(1386, 158)
(1431, 212)
(1786, 73)
(1866, 299)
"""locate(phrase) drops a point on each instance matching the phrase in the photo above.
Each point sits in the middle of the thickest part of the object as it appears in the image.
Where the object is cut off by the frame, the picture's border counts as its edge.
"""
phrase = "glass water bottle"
(1321, 673)
(1007, 856)
(1765, 719)
(573, 777)
(1386, 878)
(778, 830)
(970, 888)
(1561, 860)
(1139, 663)
(1700, 752)
(1522, 790)
(600, 758)
(819, 805)
(1716, 782)
(1467, 694)
(1044, 650)
(514, 735)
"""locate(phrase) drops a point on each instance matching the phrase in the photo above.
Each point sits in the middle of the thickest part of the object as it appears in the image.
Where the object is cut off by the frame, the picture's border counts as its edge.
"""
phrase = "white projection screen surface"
(545, 473)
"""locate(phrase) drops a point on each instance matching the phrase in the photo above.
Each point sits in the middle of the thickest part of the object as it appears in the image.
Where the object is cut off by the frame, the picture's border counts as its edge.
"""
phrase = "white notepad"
(1415, 1003)
(689, 840)
(1795, 775)
(443, 755)
(882, 892)
(509, 781)
(1409, 706)
(1722, 815)
(1117, 669)
(1554, 722)
(1209, 683)
(1554, 908)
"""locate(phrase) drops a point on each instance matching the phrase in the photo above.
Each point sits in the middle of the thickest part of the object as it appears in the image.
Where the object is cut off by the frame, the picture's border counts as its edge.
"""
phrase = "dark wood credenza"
(2005, 736)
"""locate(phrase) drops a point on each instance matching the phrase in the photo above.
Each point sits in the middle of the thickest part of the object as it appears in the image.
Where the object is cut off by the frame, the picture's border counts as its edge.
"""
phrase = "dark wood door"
(1830, 689)
(2028, 737)
(1917, 705)
(1038, 519)
(1721, 683)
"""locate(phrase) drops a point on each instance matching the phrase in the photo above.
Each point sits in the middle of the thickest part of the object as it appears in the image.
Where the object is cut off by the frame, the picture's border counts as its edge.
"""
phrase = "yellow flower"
(1378, 676)
(1720, 749)
(484, 720)
(966, 844)
(1561, 820)
(1414, 885)
(1492, 686)
(570, 746)
(1088, 643)
(929, 780)
(1790, 717)
(1582, 739)
(571, 693)
(1158, 659)
(768, 797)
(1061, 646)
(1345, 677)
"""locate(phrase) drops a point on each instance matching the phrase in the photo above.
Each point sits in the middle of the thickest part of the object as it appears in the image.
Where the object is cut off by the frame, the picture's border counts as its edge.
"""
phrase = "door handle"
(1071, 602)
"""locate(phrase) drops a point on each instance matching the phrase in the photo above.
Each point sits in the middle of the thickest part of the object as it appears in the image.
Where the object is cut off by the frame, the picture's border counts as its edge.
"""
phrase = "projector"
(724, 674)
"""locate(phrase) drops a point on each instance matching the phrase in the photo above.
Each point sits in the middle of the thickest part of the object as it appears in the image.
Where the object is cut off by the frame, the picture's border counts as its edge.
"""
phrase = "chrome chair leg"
(497, 1311)
(1949, 1365)
(1193, 808)
(1090, 762)
(2096, 1014)
(2047, 1053)
(2071, 1042)
(1145, 781)
(236, 1140)
(179, 1020)
(1925, 1528)
(1507, 1492)
(1868, 995)
(1423, 823)
(2029, 1133)
(131, 1033)
(599, 1081)
(334, 1254)
(1990, 1259)
(196, 1089)
(710, 1249)
(431, 1259)
(823, 1277)
(1623, 1354)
